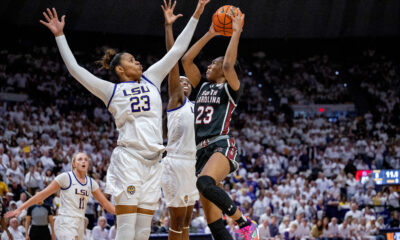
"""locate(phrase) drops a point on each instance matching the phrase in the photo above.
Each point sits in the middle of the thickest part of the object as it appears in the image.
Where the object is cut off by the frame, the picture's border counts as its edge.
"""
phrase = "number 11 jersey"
(214, 106)
(74, 195)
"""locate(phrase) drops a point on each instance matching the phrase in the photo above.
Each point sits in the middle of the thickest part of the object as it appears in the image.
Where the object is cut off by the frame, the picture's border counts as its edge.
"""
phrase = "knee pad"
(204, 182)
(207, 187)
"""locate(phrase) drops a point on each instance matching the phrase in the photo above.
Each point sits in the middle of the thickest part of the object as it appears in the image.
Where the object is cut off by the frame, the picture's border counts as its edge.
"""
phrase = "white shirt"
(99, 234)
(33, 180)
(264, 232)
(74, 194)
(17, 235)
(181, 136)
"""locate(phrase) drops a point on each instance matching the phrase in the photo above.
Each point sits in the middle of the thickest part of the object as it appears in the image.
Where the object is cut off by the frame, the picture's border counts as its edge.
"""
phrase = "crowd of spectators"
(296, 175)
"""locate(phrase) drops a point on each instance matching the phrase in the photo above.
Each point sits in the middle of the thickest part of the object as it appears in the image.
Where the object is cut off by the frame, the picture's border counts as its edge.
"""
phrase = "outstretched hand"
(200, 8)
(52, 23)
(169, 15)
(11, 214)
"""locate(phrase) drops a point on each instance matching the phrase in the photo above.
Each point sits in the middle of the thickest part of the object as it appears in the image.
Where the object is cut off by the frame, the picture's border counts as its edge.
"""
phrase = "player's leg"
(66, 228)
(127, 212)
(214, 171)
(186, 222)
(143, 222)
(177, 220)
(214, 220)
(148, 201)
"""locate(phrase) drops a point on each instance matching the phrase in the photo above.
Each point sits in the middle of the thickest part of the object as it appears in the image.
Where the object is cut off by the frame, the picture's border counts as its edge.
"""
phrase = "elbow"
(227, 67)
(186, 60)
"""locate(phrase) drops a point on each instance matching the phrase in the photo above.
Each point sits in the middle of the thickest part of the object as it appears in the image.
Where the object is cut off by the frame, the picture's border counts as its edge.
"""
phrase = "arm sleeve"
(63, 180)
(98, 87)
(158, 71)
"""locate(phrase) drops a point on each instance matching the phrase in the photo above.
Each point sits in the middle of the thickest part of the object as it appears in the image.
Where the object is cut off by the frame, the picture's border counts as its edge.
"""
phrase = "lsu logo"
(186, 198)
(131, 189)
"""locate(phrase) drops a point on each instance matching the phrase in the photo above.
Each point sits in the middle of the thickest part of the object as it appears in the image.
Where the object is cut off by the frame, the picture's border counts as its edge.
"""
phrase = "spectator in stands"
(13, 229)
(100, 232)
(393, 200)
(273, 227)
(354, 212)
(33, 180)
(263, 230)
(3, 185)
(394, 221)
(317, 229)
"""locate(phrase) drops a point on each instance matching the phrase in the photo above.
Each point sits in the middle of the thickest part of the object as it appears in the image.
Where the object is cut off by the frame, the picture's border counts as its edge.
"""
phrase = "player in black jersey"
(216, 151)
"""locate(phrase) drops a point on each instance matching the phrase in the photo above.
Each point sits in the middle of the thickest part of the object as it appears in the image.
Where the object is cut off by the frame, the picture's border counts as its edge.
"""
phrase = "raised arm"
(158, 71)
(39, 197)
(231, 53)
(191, 70)
(176, 96)
(98, 87)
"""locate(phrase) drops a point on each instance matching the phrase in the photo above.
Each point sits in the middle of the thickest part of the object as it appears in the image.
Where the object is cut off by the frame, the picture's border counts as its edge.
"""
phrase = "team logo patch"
(186, 198)
(131, 189)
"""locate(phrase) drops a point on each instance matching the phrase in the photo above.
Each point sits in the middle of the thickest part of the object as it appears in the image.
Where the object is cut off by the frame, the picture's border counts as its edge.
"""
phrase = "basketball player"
(134, 174)
(216, 151)
(178, 176)
(76, 188)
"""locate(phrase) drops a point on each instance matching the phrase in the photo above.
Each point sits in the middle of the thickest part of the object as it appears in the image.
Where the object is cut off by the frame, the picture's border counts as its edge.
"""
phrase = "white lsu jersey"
(181, 136)
(74, 195)
(137, 110)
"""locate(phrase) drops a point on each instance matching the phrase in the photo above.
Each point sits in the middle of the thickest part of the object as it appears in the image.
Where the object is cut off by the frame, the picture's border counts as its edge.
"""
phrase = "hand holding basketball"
(53, 24)
(169, 15)
(237, 22)
(212, 31)
(223, 19)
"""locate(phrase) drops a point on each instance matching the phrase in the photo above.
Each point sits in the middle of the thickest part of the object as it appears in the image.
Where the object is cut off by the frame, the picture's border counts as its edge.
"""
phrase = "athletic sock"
(219, 231)
(243, 222)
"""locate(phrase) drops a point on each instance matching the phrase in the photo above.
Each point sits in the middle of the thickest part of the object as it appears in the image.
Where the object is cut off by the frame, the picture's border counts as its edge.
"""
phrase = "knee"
(204, 182)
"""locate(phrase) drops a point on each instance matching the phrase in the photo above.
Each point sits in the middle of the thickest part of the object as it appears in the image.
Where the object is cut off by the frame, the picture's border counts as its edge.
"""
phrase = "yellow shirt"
(3, 188)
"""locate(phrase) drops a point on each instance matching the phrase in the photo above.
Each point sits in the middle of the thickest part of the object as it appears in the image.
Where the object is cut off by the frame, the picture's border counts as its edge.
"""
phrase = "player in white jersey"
(133, 177)
(76, 188)
(178, 176)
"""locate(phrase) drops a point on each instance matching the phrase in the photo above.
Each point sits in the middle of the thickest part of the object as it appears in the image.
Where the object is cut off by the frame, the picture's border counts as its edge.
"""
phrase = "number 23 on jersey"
(204, 114)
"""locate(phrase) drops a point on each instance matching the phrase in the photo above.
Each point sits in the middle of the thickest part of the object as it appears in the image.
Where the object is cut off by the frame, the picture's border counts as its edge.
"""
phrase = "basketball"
(222, 20)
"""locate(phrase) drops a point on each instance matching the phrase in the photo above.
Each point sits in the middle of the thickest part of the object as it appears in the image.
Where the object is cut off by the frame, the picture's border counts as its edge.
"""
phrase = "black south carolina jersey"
(214, 106)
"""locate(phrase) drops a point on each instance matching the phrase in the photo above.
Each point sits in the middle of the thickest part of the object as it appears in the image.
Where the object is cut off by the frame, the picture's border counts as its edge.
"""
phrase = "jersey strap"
(145, 78)
(90, 180)
(171, 110)
(70, 183)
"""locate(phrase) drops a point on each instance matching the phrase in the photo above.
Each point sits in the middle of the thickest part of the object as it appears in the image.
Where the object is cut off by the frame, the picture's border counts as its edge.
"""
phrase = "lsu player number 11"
(76, 188)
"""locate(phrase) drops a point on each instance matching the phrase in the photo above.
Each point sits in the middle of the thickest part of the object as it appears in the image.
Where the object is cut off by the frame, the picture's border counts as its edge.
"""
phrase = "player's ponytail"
(108, 59)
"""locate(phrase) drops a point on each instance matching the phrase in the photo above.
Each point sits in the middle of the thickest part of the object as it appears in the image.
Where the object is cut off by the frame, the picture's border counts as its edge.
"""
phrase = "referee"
(40, 216)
